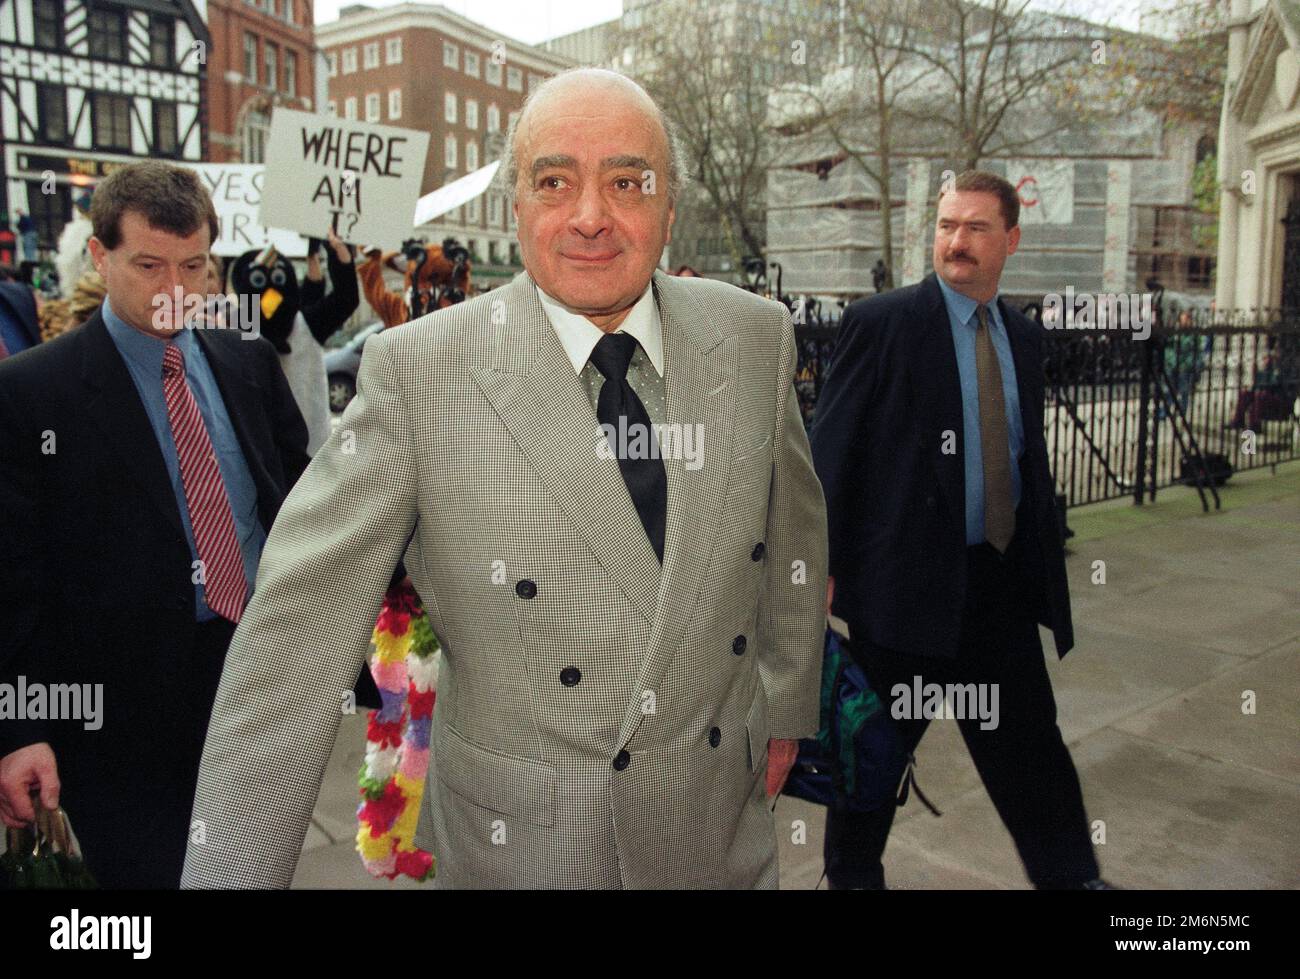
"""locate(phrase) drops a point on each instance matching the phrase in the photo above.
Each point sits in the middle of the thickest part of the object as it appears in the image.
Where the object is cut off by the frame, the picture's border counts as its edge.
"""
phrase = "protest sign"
(359, 178)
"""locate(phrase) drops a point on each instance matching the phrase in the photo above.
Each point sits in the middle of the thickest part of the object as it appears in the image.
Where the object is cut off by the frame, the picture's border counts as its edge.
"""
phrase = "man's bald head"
(575, 88)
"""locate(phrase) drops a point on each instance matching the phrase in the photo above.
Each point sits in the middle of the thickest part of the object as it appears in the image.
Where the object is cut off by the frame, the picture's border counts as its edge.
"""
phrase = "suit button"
(570, 676)
(622, 760)
(738, 645)
(715, 738)
(759, 550)
(526, 589)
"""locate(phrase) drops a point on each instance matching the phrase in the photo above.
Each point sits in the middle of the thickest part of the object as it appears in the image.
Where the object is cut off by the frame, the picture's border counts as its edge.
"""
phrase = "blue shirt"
(964, 321)
(144, 359)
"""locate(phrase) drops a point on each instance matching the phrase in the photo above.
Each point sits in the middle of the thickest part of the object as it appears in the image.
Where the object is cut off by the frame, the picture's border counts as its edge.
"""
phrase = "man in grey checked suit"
(605, 715)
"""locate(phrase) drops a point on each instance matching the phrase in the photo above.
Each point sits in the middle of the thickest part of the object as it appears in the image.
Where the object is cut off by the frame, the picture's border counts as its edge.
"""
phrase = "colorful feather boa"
(405, 667)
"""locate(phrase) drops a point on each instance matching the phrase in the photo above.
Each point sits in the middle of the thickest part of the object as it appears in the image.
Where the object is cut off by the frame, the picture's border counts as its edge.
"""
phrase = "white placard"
(360, 178)
(236, 190)
(455, 194)
(1046, 189)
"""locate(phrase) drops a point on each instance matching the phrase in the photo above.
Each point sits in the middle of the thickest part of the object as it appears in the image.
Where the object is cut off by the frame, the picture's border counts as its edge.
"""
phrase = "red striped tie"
(205, 494)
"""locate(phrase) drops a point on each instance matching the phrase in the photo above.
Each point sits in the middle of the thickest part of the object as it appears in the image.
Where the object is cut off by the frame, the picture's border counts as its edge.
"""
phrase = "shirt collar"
(963, 307)
(579, 335)
(140, 348)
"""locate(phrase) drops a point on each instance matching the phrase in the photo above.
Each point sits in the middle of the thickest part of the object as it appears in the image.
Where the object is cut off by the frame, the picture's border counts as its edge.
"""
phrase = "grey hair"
(679, 161)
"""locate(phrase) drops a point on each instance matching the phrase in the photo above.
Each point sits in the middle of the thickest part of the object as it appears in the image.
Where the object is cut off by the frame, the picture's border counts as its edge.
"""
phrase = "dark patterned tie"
(999, 514)
(646, 480)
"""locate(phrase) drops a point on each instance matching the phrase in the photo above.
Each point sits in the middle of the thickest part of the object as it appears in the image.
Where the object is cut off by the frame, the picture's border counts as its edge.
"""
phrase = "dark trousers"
(1023, 761)
(133, 825)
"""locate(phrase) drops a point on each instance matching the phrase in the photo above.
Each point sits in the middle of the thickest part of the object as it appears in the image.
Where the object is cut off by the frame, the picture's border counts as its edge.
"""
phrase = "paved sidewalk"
(1197, 613)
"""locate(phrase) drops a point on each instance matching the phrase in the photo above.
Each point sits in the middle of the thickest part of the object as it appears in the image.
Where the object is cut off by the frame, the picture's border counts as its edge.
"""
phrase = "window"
(393, 51)
(288, 11)
(450, 55)
(349, 60)
(372, 107)
(160, 41)
(533, 82)
(250, 59)
(475, 210)
(370, 55)
(471, 113)
(471, 63)
(53, 101)
(449, 106)
(494, 210)
(48, 25)
(107, 33)
(350, 107)
(449, 150)
(332, 63)
(493, 119)
(291, 73)
(471, 154)
(165, 139)
(394, 103)
(514, 79)
(332, 107)
(514, 253)
(271, 57)
(492, 251)
(493, 72)
(256, 128)
(111, 121)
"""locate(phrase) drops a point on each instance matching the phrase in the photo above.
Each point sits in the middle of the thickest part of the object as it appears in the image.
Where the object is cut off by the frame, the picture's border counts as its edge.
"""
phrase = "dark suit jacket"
(20, 301)
(95, 582)
(896, 503)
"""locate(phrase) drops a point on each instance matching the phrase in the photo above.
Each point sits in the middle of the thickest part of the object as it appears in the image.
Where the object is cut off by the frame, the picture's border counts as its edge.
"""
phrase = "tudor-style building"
(87, 85)
(1259, 164)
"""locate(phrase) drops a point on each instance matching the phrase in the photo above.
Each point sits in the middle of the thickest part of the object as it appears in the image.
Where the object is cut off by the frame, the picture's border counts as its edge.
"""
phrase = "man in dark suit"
(945, 550)
(19, 327)
(141, 467)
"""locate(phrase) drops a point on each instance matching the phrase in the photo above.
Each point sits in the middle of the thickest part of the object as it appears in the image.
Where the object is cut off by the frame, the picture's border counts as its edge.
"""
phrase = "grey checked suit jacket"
(472, 440)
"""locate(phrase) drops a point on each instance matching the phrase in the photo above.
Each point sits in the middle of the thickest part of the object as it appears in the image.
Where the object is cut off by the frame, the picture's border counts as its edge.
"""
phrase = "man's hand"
(780, 759)
(20, 772)
(341, 250)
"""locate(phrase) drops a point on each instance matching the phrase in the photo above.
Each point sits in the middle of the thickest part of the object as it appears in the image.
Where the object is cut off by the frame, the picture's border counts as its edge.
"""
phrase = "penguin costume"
(297, 331)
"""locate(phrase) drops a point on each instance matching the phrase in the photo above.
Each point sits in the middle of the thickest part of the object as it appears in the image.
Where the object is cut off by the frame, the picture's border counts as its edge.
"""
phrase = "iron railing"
(1127, 416)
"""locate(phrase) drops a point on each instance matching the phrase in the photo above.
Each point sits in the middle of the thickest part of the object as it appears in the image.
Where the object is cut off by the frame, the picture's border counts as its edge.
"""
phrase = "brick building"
(424, 67)
(263, 55)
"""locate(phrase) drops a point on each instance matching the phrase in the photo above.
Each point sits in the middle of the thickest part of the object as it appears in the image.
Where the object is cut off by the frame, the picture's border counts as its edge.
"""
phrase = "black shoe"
(1097, 884)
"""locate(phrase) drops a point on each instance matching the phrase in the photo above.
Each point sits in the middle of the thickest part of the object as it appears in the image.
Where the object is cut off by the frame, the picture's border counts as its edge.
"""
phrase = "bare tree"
(1004, 74)
(710, 66)
(853, 100)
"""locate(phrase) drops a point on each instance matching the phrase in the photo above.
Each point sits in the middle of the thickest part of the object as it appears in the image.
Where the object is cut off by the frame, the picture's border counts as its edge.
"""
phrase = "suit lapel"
(936, 389)
(537, 394)
(114, 407)
(699, 373)
(1021, 349)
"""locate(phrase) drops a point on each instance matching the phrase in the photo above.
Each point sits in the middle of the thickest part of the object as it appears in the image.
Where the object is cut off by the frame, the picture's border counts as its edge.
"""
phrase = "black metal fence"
(1127, 416)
